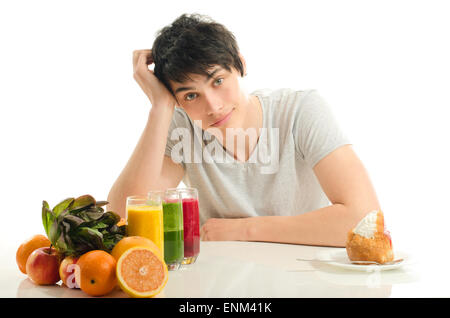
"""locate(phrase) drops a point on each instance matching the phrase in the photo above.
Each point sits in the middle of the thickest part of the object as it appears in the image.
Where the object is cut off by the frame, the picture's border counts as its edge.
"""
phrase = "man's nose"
(213, 104)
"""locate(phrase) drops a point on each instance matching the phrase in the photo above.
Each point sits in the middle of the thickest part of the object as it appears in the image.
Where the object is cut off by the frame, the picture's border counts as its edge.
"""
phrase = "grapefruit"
(141, 272)
(132, 241)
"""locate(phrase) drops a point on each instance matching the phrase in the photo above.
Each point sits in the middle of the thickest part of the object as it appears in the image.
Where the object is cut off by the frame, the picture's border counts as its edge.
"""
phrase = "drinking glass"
(173, 229)
(191, 224)
(145, 217)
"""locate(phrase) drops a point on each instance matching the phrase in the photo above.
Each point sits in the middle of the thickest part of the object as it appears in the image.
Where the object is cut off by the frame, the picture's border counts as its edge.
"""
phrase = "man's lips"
(223, 120)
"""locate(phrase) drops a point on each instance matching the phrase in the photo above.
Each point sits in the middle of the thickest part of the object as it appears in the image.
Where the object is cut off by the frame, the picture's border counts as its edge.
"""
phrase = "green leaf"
(110, 218)
(111, 241)
(101, 203)
(91, 236)
(83, 202)
(61, 244)
(73, 220)
(57, 228)
(90, 215)
(99, 225)
(62, 206)
(46, 216)
(76, 226)
(54, 233)
(50, 219)
(65, 243)
(121, 229)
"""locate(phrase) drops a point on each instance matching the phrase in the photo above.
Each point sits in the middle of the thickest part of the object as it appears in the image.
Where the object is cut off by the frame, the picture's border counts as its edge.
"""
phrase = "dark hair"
(192, 44)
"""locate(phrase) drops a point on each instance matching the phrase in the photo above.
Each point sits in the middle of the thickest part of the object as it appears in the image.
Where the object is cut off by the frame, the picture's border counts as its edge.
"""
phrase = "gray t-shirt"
(299, 129)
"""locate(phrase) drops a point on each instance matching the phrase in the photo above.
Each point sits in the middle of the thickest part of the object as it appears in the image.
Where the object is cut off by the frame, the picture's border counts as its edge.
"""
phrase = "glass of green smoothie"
(173, 229)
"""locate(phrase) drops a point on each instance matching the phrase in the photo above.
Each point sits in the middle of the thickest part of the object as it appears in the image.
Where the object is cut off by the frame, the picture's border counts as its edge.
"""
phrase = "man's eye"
(219, 79)
(187, 96)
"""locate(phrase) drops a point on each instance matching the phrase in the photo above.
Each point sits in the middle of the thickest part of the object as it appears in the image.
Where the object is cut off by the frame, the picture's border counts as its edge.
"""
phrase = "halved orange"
(141, 272)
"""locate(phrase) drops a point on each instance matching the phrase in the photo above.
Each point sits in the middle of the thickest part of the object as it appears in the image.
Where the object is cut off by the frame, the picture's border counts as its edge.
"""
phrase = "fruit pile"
(87, 248)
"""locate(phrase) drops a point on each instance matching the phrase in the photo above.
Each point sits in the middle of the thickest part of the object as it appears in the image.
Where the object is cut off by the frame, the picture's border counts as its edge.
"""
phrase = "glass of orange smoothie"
(145, 217)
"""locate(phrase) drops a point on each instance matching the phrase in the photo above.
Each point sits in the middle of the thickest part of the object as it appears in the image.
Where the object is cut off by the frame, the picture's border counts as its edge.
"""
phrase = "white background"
(71, 113)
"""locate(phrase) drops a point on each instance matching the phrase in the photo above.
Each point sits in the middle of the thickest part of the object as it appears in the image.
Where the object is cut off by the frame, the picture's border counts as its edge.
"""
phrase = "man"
(277, 181)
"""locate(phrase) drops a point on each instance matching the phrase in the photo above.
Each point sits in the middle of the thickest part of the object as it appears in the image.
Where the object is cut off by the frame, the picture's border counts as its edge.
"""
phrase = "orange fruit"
(141, 272)
(97, 273)
(132, 241)
(27, 247)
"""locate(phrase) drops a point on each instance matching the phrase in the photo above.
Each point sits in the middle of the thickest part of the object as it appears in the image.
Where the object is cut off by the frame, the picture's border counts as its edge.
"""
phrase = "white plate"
(340, 259)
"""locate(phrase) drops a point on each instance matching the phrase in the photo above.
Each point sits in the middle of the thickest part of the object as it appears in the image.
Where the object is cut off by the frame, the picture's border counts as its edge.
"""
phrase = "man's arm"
(148, 168)
(346, 183)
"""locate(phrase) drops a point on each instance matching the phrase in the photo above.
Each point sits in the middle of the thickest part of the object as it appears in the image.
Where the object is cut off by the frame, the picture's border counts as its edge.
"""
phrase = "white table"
(254, 269)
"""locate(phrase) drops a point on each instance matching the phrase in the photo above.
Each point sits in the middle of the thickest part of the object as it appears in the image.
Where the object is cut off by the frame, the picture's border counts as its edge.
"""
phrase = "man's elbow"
(115, 205)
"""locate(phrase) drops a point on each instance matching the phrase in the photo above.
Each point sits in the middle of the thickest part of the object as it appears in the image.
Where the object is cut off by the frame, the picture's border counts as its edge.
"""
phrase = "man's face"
(212, 98)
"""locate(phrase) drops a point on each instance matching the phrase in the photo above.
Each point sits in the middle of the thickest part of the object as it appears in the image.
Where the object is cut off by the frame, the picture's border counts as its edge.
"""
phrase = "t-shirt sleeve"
(315, 129)
(174, 146)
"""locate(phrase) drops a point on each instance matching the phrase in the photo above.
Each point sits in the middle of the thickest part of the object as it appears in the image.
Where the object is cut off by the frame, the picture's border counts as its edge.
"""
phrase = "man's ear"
(243, 63)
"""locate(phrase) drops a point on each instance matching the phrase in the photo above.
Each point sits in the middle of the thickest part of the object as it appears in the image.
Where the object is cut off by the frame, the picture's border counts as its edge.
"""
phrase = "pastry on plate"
(369, 240)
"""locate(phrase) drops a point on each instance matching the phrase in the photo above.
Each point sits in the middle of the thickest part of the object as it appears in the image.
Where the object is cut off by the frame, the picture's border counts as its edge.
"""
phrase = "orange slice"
(141, 272)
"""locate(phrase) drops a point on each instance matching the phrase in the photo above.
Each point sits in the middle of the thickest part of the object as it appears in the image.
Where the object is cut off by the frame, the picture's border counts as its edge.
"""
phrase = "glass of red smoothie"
(191, 224)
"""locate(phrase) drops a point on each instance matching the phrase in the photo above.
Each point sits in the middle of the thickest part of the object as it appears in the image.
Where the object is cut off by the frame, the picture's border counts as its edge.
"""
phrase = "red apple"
(43, 266)
(67, 271)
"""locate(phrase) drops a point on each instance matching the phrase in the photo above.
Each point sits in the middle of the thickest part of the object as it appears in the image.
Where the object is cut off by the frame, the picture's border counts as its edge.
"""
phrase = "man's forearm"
(327, 226)
(144, 166)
